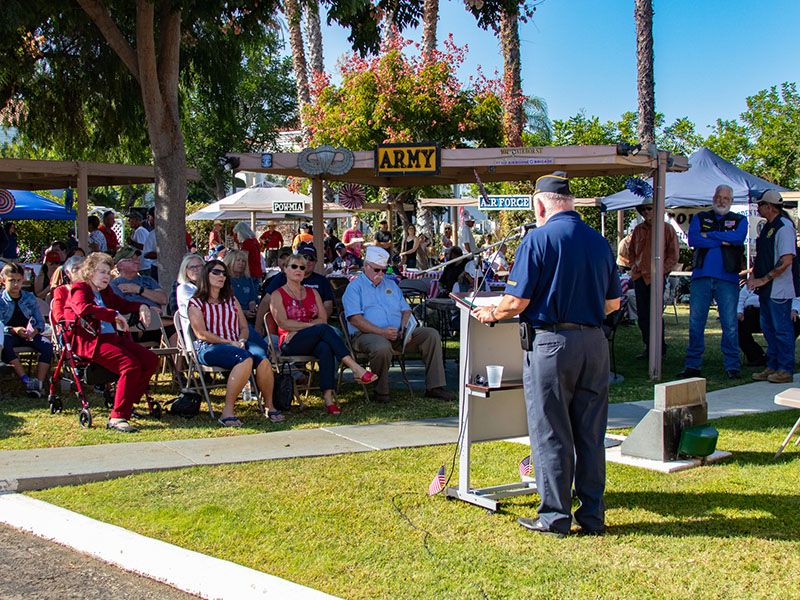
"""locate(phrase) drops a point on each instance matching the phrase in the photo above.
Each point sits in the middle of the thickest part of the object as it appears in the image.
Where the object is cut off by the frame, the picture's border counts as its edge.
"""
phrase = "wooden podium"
(488, 414)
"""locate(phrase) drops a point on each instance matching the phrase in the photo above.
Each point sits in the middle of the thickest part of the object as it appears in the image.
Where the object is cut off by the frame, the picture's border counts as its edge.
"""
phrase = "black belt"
(554, 327)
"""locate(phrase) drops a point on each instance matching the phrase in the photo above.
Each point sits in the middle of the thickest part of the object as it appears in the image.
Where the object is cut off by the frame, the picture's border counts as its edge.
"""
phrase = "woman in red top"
(304, 330)
(222, 340)
(248, 242)
(97, 310)
(215, 237)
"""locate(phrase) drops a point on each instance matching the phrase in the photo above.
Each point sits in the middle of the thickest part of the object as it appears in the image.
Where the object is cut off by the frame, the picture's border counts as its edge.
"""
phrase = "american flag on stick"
(525, 466)
(437, 485)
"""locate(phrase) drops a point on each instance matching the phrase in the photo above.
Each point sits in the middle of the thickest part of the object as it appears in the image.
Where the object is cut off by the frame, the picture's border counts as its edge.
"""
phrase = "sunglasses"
(762, 203)
(377, 269)
(220, 272)
(301, 267)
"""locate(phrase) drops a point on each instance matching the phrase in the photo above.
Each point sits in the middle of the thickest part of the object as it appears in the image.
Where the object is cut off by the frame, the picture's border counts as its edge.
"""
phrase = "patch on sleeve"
(511, 282)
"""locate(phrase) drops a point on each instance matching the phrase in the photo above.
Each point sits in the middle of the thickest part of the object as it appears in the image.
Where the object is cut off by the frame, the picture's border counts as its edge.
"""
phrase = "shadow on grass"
(711, 514)
(9, 425)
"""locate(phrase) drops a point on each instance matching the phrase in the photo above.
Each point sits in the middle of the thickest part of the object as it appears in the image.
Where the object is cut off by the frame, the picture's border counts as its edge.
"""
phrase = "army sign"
(407, 159)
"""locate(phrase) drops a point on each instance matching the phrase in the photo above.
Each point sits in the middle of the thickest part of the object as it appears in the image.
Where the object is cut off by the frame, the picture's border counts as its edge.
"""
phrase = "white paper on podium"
(479, 300)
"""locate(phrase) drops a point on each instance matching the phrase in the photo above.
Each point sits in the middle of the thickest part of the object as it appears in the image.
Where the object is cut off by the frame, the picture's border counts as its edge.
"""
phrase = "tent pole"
(620, 225)
(82, 222)
(316, 209)
(657, 268)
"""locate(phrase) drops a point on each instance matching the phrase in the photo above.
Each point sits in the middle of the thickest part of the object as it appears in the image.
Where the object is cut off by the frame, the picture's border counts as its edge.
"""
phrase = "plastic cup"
(494, 375)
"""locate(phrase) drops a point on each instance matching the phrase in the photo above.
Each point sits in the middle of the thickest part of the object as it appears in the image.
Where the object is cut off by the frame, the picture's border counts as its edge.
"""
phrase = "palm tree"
(314, 33)
(512, 74)
(430, 19)
(645, 83)
(292, 10)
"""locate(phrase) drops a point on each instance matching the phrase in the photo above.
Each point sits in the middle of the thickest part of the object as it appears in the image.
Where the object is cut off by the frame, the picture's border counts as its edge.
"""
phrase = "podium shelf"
(485, 391)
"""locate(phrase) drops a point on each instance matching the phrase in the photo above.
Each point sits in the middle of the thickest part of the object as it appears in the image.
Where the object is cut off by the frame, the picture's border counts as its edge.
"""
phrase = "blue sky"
(581, 54)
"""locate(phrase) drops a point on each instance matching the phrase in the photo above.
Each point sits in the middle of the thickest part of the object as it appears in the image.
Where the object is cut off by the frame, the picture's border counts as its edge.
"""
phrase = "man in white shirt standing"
(138, 238)
(465, 238)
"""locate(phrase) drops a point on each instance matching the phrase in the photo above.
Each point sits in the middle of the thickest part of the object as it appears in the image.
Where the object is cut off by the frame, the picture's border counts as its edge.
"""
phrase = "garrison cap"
(555, 182)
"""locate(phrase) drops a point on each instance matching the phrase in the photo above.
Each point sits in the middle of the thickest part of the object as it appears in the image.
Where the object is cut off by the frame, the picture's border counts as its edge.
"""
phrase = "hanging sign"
(505, 202)
(288, 206)
(408, 159)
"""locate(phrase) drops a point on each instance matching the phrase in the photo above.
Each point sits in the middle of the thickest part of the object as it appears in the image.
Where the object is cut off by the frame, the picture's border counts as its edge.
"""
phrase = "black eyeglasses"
(377, 269)
(301, 267)
(220, 272)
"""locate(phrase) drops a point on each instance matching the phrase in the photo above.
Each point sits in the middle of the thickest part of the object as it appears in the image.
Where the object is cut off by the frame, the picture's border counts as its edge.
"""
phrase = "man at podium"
(563, 284)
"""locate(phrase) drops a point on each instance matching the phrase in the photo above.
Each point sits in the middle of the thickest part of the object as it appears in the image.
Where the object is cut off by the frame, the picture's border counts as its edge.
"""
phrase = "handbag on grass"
(283, 390)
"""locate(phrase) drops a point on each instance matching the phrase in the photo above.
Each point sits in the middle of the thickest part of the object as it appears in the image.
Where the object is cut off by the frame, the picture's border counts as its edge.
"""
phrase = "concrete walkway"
(22, 470)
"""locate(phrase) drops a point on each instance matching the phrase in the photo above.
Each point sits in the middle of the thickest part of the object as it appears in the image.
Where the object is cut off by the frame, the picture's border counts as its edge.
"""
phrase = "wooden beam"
(82, 222)
(317, 221)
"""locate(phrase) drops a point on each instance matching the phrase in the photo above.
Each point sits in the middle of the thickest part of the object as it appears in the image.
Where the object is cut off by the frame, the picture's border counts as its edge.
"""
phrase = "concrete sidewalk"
(22, 470)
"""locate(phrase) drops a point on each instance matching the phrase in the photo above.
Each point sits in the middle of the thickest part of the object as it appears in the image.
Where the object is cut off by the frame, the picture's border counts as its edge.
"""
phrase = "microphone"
(527, 227)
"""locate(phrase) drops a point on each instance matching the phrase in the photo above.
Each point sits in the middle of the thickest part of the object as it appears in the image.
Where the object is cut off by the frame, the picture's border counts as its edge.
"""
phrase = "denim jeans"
(225, 356)
(726, 294)
(323, 342)
(776, 325)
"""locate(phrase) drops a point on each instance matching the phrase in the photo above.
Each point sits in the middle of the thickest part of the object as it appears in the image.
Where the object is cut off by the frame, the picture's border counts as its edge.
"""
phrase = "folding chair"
(610, 326)
(194, 370)
(278, 359)
(349, 343)
(161, 348)
(791, 398)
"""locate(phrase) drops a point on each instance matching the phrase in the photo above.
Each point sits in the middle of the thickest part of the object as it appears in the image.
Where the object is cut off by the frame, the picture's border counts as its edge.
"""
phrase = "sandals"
(229, 422)
(368, 377)
(121, 425)
(276, 416)
(333, 409)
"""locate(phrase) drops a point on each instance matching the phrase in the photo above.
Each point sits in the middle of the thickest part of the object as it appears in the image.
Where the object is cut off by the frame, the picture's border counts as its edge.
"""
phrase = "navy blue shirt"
(567, 271)
(314, 281)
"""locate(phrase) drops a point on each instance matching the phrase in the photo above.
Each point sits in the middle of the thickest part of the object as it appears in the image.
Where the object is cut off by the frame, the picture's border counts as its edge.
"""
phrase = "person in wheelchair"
(222, 340)
(69, 274)
(24, 324)
(95, 310)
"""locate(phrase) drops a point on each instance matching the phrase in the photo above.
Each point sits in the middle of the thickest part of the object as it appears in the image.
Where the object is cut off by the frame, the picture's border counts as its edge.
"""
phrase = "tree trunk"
(291, 8)
(512, 76)
(156, 68)
(430, 19)
(645, 82)
(316, 59)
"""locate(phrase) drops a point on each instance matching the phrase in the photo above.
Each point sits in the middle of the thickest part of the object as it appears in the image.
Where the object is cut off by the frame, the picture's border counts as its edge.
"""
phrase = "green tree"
(766, 138)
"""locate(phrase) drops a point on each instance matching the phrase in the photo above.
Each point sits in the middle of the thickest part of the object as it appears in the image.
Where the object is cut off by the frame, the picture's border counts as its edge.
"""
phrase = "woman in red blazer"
(97, 311)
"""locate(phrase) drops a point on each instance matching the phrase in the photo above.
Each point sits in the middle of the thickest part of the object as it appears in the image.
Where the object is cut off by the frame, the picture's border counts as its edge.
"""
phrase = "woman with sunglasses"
(304, 330)
(221, 334)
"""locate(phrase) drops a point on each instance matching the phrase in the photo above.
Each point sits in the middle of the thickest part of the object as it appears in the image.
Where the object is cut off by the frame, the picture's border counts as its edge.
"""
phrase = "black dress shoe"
(536, 526)
(688, 372)
(733, 374)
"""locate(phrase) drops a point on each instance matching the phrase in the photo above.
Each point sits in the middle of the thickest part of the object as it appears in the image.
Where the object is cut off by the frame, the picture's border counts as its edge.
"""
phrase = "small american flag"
(525, 466)
(437, 485)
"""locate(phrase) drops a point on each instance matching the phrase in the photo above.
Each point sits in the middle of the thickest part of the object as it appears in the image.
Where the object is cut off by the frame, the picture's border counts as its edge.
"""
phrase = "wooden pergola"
(24, 174)
(466, 165)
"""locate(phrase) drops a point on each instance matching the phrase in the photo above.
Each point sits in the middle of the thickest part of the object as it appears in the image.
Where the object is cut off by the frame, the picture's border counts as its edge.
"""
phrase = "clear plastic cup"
(494, 375)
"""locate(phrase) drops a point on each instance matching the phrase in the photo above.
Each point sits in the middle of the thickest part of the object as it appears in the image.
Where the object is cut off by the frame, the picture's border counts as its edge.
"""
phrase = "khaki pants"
(379, 351)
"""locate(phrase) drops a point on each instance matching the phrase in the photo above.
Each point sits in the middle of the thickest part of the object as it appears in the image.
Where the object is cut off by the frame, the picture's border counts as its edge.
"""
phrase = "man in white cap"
(465, 237)
(378, 315)
(773, 281)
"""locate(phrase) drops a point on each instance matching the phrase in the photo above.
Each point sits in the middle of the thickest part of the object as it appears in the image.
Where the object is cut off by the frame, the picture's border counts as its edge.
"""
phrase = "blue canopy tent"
(29, 205)
(695, 187)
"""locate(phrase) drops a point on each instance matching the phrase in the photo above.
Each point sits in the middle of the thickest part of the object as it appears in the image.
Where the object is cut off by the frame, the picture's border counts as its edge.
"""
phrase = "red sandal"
(366, 378)
(333, 409)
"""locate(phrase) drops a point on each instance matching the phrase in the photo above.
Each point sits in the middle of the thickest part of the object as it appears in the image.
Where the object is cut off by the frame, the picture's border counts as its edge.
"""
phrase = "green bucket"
(698, 441)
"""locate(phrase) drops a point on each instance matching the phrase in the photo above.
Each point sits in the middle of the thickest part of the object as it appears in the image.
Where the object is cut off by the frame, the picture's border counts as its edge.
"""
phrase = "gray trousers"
(379, 350)
(565, 379)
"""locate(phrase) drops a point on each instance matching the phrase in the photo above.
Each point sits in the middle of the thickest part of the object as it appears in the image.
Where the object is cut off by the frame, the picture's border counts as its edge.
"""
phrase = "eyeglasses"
(301, 267)
(377, 269)
(194, 267)
(647, 208)
(762, 203)
(220, 272)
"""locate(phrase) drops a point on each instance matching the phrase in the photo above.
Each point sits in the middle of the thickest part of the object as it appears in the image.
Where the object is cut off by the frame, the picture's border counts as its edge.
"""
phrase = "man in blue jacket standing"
(717, 237)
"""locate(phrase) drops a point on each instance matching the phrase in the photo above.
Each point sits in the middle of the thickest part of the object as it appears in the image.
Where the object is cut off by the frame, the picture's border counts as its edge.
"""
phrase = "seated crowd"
(232, 305)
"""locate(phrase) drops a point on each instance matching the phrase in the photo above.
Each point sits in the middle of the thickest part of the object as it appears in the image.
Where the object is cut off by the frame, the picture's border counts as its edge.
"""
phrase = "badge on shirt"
(770, 232)
(511, 283)
(388, 290)
(730, 223)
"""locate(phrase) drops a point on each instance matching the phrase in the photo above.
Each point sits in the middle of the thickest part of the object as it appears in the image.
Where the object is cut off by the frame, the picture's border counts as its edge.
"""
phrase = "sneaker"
(763, 375)
(780, 377)
(34, 388)
(688, 372)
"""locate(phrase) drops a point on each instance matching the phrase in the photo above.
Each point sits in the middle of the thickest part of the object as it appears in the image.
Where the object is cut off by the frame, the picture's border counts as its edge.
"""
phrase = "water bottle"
(247, 393)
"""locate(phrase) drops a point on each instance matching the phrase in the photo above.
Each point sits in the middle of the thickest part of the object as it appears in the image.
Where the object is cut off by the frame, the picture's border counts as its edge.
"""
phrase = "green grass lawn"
(729, 530)
(26, 423)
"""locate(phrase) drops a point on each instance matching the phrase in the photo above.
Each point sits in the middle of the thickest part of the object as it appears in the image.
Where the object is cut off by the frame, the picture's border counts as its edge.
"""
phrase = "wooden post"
(657, 267)
(317, 221)
(82, 222)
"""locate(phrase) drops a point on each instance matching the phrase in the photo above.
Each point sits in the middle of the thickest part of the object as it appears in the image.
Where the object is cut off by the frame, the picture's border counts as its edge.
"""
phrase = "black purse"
(283, 389)
(186, 405)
